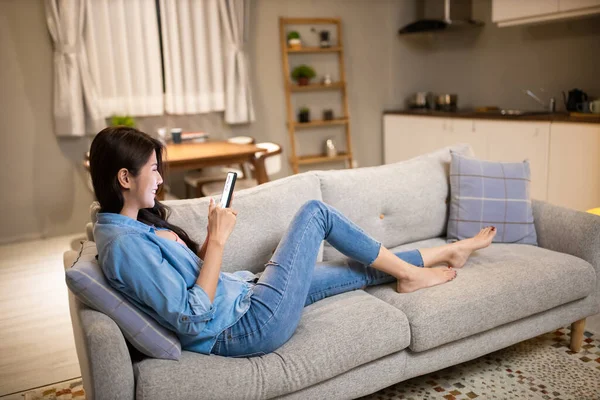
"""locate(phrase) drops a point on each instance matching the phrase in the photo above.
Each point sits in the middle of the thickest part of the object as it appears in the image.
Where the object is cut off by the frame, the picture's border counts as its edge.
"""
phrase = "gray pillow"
(86, 281)
(490, 193)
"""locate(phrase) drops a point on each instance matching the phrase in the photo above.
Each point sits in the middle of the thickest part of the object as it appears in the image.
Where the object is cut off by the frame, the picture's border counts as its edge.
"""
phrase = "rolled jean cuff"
(421, 263)
(376, 254)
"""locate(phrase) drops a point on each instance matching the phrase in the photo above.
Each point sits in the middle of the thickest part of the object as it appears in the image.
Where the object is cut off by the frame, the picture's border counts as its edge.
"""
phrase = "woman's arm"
(221, 222)
(209, 274)
(202, 251)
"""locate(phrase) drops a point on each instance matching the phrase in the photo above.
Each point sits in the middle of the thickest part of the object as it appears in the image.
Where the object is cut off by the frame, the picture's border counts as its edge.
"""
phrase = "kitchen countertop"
(472, 114)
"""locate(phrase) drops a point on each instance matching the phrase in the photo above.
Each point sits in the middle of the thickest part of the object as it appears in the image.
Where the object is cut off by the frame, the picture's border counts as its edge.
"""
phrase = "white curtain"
(74, 90)
(193, 59)
(235, 16)
(123, 48)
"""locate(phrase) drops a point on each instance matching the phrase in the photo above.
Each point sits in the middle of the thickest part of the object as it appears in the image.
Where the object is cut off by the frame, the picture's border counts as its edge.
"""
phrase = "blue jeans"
(293, 279)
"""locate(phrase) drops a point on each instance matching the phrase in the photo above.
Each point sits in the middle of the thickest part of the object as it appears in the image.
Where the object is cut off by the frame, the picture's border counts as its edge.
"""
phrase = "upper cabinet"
(570, 5)
(519, 12)
(505, 10)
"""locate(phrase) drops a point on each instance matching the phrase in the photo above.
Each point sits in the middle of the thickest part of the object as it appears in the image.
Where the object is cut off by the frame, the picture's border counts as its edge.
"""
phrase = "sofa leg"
(577, 329)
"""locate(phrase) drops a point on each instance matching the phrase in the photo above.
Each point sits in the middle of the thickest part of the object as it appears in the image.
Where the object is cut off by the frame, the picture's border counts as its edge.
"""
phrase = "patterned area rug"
(540, 368)
(68, 390)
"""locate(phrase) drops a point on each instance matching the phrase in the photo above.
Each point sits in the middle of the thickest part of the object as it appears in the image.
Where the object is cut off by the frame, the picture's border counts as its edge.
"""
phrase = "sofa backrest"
(265, 212)
(396, 203)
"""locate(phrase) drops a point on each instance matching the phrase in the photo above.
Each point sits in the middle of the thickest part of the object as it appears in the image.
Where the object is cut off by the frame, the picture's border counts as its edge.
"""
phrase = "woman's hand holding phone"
(221, 222)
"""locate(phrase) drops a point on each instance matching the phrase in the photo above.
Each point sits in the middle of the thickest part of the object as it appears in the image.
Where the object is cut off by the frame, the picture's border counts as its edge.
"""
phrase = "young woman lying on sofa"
(156, 264)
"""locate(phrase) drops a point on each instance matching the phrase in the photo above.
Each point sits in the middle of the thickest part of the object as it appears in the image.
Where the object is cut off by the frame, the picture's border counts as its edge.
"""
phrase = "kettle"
(575, 97)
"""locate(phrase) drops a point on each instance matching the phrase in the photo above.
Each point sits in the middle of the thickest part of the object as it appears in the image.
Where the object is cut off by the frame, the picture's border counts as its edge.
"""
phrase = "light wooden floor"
(36, 341)
(36, 338)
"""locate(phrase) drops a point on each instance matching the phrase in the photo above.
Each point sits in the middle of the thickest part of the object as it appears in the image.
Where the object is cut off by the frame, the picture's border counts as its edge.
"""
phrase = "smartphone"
(228, 189)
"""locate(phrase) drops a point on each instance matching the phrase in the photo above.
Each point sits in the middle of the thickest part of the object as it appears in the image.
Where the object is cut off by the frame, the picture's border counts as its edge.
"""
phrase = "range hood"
(440, 15)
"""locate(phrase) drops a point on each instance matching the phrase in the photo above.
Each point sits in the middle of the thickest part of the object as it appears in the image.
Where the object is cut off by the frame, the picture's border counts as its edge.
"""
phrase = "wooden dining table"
(194, 155)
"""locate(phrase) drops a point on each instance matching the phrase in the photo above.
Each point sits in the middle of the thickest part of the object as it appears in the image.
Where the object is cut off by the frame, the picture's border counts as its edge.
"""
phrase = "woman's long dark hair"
(119, 147)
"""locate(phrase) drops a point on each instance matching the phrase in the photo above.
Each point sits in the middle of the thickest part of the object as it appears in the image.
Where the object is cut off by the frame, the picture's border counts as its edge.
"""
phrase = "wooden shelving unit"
(316, 123)
(321, 159)
(316, 50)
(290, 87)
(317, 86)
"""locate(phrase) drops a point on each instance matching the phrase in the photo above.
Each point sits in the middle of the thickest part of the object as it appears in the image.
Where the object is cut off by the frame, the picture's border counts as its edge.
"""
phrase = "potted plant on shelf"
(122, 120)
(304, 114)
(293, 39)
(303, 74)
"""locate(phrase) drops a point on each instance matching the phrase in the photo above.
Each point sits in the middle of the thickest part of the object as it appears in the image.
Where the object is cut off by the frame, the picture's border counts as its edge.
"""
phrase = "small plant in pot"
(304, 114)
(303, 74)
(122, 120)
(293, 39)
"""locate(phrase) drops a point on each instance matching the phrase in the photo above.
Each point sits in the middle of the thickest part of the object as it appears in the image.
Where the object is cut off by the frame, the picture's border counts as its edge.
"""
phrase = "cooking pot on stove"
(418, 100)
(446, 102)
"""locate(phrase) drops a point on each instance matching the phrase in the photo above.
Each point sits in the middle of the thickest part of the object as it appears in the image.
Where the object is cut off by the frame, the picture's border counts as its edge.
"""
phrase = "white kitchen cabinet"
(520, 12)
(459, 130)
(515, 141)
(564, 156)
(407, 136)
(574, 169)
(570, 5)
(504, 10)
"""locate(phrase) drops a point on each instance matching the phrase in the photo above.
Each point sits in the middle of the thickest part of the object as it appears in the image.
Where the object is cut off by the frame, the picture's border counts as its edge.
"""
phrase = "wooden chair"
(272, 160)
(195, 180)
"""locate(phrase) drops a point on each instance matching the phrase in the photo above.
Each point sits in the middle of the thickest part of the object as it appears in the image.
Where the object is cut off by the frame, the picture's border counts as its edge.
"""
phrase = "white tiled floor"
(36, 340)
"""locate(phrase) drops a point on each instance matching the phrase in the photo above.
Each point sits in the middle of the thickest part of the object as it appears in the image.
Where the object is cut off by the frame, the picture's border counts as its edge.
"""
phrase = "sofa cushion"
(497, 285)
(86, 281)
(335, 335)
(485, 193)
(395, 203)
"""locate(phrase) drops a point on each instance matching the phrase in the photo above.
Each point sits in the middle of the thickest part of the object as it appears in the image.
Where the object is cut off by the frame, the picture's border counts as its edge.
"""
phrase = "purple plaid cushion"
(86, 280)
(490, 193)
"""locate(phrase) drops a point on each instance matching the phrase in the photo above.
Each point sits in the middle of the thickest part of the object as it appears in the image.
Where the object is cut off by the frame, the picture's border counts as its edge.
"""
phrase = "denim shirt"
(159, 276)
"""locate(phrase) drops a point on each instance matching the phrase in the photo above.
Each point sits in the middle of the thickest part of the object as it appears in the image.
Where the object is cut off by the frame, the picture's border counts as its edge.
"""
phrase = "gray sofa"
(358, 342)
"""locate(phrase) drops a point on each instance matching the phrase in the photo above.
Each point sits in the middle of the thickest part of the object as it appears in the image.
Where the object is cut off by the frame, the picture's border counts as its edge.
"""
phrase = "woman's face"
(144, 186)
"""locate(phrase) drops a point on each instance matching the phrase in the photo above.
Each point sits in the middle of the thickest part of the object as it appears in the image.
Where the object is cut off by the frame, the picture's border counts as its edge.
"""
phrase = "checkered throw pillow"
(487, 193)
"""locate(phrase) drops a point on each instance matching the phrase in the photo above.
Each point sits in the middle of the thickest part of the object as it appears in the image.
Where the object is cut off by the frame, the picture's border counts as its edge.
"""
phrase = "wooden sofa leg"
(577, 329)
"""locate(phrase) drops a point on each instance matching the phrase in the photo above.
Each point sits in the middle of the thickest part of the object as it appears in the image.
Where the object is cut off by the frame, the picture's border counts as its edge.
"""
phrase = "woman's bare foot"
(424, 277)
(461, 250)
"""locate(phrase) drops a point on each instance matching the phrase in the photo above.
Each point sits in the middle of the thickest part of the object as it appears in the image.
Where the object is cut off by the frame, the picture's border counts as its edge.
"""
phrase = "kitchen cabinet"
(409, 136)
(459, 130)
(406, 137)
(564, 156)
(504, 10)
(515, 141)
(574, 168)
(570, 5)
(519, 12)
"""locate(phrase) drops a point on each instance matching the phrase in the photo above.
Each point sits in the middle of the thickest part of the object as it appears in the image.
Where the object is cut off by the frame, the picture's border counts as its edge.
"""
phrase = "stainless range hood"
(455, 14)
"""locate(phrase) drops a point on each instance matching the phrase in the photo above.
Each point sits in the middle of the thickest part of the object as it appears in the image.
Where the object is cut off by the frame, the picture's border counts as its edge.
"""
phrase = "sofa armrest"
(104, 357)
(569, 231)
